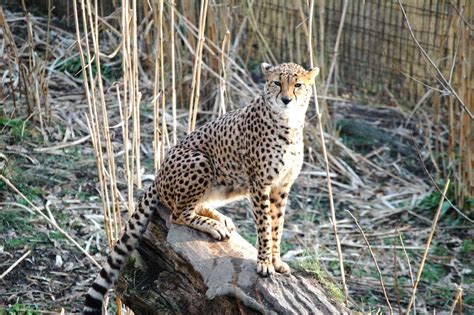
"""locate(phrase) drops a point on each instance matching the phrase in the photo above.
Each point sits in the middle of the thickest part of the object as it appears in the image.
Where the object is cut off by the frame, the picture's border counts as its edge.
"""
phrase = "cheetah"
(254, 152)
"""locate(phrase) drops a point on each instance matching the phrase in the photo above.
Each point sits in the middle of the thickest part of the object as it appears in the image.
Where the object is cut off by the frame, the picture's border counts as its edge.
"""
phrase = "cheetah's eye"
(277, 83)
(297, 85)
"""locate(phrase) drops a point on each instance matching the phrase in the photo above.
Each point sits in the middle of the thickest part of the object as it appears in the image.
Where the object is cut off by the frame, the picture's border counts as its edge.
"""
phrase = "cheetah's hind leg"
(191, 218)
(216, 215)
(188, 187)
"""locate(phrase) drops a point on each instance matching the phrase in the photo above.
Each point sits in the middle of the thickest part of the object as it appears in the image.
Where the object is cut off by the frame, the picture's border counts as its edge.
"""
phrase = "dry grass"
(89, 113)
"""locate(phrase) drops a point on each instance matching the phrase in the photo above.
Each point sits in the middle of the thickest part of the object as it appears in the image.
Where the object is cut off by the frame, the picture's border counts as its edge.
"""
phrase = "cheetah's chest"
(292, 158)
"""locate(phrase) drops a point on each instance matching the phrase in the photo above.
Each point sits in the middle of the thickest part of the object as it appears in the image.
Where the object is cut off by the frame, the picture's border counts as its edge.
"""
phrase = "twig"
(442, 79)
(57, 227)
(374, 259)
(395, 280)
(15, 264)
(16, 204)
(326, 162)
(428, 243)
(336, 48)
(457, 300)
(63, 145)
(409, 267)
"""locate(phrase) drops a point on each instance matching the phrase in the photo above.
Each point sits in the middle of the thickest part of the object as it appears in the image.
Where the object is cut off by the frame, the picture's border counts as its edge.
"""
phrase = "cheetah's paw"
(281, 266)
(265, 268)
(220, 232)
(228, 223)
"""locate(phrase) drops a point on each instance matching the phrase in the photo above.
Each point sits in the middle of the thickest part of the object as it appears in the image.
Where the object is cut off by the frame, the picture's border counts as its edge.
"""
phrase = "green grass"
(17, 127)
(312, 266)
(18, 308)
(74, 67)
(28, 184)
(25, 234)
(13, 219)
(250, 237)
(433, 272)
(467, 247)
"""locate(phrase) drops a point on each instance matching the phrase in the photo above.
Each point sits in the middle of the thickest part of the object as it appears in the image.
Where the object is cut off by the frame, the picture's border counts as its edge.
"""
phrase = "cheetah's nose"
(286, 100)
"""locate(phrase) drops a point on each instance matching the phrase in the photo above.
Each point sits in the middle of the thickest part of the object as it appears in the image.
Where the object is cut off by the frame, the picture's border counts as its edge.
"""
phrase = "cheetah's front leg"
(261, 211)
(278, 200)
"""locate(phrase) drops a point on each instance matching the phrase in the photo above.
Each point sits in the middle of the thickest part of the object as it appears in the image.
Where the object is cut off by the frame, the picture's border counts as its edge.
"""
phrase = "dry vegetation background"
(92, 95)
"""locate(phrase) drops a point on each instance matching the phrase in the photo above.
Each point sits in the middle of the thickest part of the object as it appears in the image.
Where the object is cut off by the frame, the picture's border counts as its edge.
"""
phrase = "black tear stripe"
(280, 87)
(296, 97)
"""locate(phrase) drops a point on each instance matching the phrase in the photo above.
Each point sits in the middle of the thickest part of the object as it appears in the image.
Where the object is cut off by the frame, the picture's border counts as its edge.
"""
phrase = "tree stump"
(179, 270)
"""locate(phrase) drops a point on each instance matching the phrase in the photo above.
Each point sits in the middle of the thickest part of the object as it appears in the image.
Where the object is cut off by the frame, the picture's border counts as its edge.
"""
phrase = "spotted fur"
(253, 152)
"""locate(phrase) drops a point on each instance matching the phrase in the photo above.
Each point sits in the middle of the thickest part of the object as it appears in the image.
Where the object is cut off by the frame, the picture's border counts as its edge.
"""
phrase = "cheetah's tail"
(123, 248)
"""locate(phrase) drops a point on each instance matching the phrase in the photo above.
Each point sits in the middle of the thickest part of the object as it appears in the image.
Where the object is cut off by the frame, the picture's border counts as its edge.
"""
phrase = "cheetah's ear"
(312, 74)
(266, 68)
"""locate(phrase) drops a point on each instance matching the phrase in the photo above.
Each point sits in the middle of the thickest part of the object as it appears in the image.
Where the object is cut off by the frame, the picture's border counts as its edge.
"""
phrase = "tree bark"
(179, 270)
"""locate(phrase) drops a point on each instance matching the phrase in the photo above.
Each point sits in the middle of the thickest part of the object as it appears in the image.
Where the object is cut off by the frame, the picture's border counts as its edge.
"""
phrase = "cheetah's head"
(288, 86)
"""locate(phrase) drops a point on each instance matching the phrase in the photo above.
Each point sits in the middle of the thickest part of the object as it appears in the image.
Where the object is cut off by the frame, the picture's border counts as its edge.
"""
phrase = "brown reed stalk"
(196, 82)
(157, 144)
(164, 131)
(465, 77)
(335, 53)
(222, 81)
(126, 105)
(33, 96)
(93, 128)
(116, 228)
(44, 82)
(256, 29)
(326, 161)
(428, 243)
(211, 48)
(136, 97)
(173, 72)
(374, 260)
(92, 120)
(131, 98)
(322, 17)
